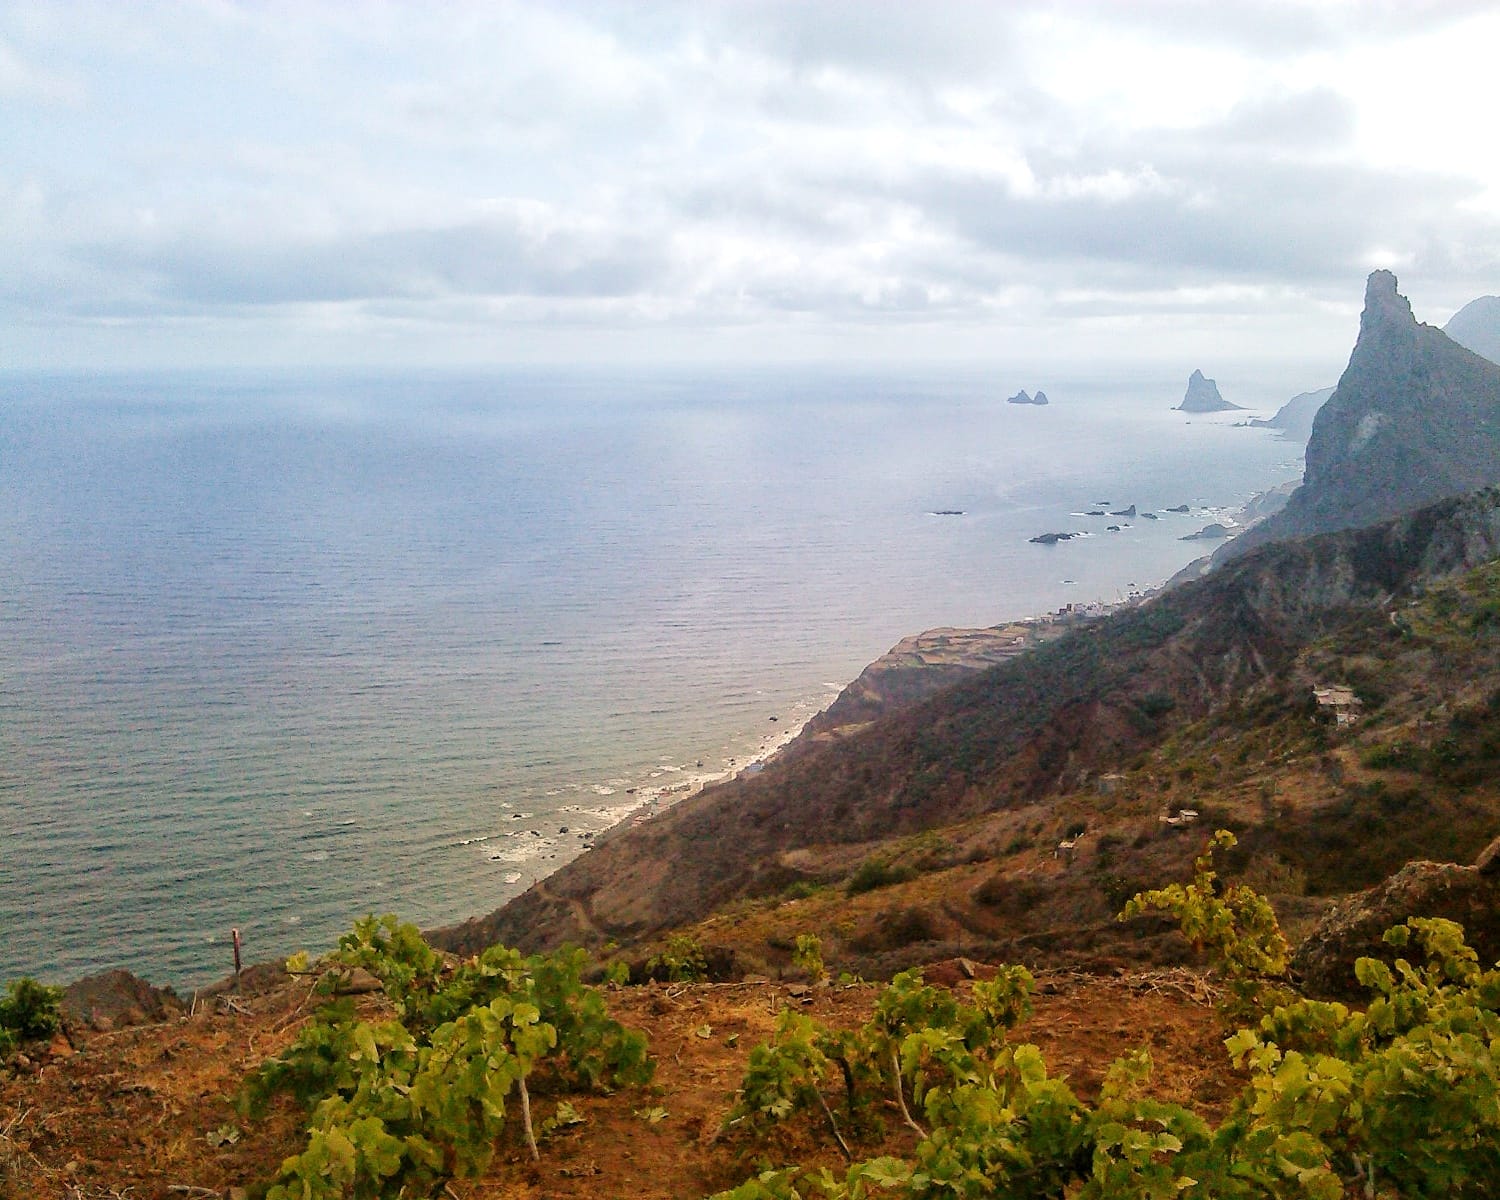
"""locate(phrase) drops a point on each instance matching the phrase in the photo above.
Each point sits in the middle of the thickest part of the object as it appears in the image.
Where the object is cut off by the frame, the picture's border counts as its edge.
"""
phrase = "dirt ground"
(148, 1113)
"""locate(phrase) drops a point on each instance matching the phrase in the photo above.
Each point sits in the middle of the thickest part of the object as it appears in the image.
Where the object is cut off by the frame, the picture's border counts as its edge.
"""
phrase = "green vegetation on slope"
(1399, 1100)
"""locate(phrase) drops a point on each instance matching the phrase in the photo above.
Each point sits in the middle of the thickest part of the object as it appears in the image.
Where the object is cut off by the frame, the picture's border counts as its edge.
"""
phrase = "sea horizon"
(280, 649)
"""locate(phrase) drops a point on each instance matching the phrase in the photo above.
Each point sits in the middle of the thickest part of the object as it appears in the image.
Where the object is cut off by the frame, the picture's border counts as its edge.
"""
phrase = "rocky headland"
(1415, 417)
(1294, 419)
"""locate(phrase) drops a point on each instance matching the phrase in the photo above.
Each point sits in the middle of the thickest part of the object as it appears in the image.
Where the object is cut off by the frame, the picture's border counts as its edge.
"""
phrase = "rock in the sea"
(1202, 396)
(1208, 533)
(1179, 508)
(1039, 398)
(1354, 927)
(112, 999)
(1050, 539)
(1022, 398)
(1124, 512)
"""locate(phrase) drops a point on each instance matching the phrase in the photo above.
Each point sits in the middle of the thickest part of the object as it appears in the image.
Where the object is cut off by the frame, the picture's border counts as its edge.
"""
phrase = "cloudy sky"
(257, 183)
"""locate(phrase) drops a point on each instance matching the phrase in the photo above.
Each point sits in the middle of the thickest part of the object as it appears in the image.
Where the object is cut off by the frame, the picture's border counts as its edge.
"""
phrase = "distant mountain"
(1022, 398)
(1477, 326)
(1415, 417)
(1202, 396)
(1295, 417)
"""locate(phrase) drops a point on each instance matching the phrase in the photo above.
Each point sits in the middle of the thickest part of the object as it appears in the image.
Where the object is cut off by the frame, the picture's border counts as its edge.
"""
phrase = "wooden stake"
(235, 934)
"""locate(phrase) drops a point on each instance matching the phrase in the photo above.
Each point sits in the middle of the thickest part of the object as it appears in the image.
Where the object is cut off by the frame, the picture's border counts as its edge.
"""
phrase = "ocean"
(278, 649)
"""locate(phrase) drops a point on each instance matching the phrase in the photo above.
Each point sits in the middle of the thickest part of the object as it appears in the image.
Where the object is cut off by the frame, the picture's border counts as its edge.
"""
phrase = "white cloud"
(988, 175)
(22, 81)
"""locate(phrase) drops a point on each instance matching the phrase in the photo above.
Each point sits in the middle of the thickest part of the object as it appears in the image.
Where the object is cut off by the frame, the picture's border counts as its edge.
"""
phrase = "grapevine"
(1400, 1100)
(398, 1107)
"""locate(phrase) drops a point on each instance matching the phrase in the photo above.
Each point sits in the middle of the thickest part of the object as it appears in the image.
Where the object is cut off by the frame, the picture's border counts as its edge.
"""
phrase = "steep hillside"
(1414, 417)
(1017, 736)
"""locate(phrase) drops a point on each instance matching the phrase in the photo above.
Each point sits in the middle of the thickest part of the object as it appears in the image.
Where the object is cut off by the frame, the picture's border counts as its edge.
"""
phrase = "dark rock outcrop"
(1209, 533)
(1202, 396)
(113, 999)
(1415, 417)
(1295, 418)
(1477, 326)
(1354, 928)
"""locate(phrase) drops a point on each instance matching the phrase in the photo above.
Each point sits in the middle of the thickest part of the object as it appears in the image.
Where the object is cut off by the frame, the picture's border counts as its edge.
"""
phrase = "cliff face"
(1009, 736)
(1415, 417)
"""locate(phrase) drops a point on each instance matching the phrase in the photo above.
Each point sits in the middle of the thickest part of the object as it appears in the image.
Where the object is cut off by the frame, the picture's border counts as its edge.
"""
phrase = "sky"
(1090, 186)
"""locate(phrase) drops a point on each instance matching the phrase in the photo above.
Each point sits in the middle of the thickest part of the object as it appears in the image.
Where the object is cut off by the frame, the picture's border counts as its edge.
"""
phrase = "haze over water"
(279, 650)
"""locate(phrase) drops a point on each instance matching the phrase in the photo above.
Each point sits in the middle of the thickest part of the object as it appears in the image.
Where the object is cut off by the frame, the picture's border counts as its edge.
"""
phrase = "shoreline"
(1036, 628)
(652, 801)
(617, 805)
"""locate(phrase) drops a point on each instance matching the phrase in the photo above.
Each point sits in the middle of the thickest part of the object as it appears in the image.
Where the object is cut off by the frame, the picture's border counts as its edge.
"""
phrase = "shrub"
(1156, 704)
(681, 961)
(30, 1011)
(875, 873)
(808, 957)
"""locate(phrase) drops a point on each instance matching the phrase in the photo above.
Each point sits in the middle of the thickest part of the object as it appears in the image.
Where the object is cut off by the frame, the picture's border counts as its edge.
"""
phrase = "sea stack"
(1202, 396)
(1022, 398)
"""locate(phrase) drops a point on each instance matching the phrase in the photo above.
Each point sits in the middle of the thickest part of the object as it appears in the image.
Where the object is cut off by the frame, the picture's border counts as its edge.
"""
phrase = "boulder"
(112, 999)
(1354, 927)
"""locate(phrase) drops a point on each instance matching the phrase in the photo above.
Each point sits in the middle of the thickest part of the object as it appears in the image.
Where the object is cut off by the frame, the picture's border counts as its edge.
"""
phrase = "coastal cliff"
(1414, 417)
(1005, 738)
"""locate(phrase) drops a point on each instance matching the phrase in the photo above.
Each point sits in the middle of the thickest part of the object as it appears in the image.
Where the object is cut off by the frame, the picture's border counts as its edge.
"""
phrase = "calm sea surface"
(276, 651)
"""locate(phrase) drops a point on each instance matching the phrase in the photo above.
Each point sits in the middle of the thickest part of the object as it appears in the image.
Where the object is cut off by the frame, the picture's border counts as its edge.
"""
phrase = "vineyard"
(403, 1072)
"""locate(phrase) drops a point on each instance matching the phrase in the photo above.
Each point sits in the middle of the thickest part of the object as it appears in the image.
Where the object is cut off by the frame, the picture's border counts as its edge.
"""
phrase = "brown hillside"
(1235, 654)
